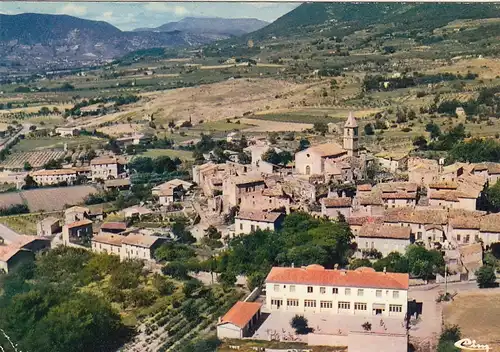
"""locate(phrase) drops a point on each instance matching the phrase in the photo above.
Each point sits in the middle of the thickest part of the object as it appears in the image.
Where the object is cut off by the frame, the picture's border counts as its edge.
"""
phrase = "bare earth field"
(477, 315)
(275, 126)
(47, 199)
(121, 128)
(221, 100)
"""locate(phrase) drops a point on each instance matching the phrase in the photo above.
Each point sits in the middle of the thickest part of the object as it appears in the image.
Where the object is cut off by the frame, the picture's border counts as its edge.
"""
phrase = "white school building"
(362, 292)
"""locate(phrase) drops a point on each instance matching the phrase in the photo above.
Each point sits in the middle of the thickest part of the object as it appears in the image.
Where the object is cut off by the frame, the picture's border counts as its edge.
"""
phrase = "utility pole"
(445, 279)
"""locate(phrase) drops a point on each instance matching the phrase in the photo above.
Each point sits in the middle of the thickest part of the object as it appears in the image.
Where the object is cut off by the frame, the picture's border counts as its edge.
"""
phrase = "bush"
(486, 277)
(300, 324)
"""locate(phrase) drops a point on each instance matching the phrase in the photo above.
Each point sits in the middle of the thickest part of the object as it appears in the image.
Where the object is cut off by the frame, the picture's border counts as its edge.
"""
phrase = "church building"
(332, 159)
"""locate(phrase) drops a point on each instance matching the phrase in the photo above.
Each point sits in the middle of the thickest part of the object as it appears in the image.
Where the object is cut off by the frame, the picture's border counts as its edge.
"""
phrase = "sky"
(128, 16)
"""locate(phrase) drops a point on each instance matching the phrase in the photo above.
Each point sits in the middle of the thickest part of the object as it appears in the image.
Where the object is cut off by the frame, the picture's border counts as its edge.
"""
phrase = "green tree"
(486, 277)
(164, 286)
(300, 324)
(358, 263)
(191, 286)
(320, 127)
(255, 280)
(369, 129)
(493, 197)
(449, 336)
(27, 166)
(303, 144)
(433, 129)
(190, 311)
(420, 142)
(29, 182)
(227, 279)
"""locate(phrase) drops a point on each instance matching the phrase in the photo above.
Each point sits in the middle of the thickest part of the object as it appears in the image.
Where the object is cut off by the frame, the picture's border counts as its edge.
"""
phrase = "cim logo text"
(471, 345)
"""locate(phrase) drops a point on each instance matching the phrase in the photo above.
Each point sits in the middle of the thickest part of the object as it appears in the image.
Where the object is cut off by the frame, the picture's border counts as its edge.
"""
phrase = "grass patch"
(477, 315)
(220, 126)
(25, 224)
(172, 153)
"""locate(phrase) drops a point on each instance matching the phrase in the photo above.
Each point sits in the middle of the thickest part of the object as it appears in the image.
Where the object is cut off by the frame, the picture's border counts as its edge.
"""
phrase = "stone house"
(383, 238)
(107, 167)
(48, 227)
(118, 183)
(67, 131)
(11, 257)
(331, 207)
(247, 222)
(75, 213)
(235, 187)
(393, 162)
(266, 199)
(471, 258)
(311, 161)
(77, 232)
(53, 177)
(133, 246)
(113, 227)
(370, 204)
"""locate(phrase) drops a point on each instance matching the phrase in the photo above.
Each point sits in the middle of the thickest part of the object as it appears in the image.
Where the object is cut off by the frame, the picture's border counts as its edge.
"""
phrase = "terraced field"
(169, 330)
(35, 159)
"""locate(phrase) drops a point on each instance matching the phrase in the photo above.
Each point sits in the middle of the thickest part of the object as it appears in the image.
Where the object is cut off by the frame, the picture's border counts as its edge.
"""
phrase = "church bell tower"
(351, 136)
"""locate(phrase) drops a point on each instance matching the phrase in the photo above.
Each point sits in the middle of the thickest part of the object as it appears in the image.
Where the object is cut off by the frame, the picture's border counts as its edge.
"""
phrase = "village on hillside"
(388, 207)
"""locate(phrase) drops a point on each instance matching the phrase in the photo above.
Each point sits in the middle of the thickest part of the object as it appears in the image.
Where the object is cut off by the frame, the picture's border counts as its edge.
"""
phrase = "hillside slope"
(211, 25)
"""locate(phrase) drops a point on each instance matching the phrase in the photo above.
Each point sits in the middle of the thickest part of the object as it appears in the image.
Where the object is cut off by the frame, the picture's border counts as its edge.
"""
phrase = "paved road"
(8, 234)
(24, 130)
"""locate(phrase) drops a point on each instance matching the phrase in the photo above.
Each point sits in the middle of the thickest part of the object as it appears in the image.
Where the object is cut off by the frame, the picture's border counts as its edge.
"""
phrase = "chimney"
(385, 269)
(293, 265)
(336, 266)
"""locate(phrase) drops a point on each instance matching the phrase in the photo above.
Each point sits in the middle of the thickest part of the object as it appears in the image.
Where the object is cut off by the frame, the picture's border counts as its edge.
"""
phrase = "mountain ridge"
(212, 25)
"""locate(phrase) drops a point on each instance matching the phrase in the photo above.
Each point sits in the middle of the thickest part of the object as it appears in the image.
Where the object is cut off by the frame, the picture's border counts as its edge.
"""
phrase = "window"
(373, 245)
(309, 289)
(276, 302)
(335, 291)
(252, 228)
(292, 288)
(310, 303)
(467, 239)
(378, 293)
(276, 288)
(241, 226)
(361, 292)
(419, 235)
(347, 292)
(395, 308)
(322, 290)
(395, 294)
(458, 237)
(292, 302)
(359, 306)
(326, 304)
(344, 305)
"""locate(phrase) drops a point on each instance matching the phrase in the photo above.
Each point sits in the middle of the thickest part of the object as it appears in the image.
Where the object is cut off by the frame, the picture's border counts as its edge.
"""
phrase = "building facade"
(313, 288)
(247, 221)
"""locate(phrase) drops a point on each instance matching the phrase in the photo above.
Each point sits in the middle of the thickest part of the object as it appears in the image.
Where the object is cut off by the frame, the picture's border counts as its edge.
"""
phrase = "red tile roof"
(337, 202)
(385, 231)
(241, 313)
(7, 252)
(114, 226)
(79, 223)
(259, 216)
(317, 275)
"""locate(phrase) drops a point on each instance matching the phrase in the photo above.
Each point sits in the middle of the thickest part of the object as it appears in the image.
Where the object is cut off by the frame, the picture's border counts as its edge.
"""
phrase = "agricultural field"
(36, 159)
(41, 143)
(220, 126)
(47, 199)
(55, 199)
(25, 223)
(172, 153)
(476, 313)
